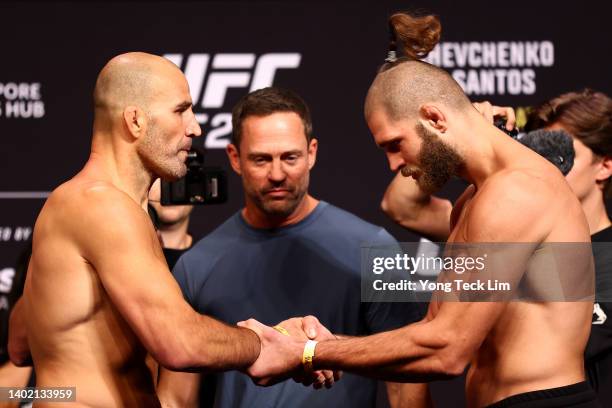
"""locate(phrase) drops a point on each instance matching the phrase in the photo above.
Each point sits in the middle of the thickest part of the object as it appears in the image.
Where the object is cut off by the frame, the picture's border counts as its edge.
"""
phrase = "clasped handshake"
(287, 351)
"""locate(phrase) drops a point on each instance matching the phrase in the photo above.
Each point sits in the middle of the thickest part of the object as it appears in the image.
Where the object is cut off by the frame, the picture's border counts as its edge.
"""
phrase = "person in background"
(172, 224)
(285, 254)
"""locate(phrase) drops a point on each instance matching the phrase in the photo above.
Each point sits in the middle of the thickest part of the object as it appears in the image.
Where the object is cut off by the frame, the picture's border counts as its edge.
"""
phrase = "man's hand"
(490, 112)
(306, 328)
(280, 356)
(282, 348)
(309, 328)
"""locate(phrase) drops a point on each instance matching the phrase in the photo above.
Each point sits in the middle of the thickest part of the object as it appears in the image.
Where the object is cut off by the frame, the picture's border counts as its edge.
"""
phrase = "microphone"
(556, 146)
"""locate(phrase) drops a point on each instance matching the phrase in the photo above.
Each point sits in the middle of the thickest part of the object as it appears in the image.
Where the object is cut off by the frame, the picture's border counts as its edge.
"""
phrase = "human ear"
(434, 117)
(234, 157)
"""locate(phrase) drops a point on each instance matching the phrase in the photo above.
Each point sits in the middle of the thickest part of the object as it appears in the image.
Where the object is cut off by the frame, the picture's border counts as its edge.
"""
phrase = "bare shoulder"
(94, 210)
(515, 205)
(521, 186)
(78, 200)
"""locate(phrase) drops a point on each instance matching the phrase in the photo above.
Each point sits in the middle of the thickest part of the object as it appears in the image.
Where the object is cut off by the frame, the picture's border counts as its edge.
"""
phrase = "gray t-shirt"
(309, 268)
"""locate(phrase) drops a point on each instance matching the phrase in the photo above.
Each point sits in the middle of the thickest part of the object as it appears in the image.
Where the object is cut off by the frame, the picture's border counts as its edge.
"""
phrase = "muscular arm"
(129, 262)
(436, 349)
(442, 345)
(18, 348)
(406, 204)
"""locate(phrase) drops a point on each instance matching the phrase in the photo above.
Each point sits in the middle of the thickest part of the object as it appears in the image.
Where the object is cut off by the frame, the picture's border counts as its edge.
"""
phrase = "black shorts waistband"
(579, 395)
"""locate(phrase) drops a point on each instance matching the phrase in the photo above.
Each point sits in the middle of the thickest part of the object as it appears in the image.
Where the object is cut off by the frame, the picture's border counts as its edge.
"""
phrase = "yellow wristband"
(281, 330)
(308, 356)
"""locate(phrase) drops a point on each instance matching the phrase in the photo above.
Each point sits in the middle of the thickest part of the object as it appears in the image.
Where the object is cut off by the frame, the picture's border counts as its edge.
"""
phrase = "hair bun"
(417, 35)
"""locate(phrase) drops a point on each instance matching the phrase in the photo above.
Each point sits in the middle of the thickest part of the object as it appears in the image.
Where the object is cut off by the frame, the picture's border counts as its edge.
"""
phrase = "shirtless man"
(429, 130)
(99, 294)
(420, 211)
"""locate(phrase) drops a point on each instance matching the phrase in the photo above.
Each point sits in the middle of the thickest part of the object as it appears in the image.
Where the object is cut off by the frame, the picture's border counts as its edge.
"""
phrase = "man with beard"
(98, 292)
(406, 203)
(520, 353)
(284, 254)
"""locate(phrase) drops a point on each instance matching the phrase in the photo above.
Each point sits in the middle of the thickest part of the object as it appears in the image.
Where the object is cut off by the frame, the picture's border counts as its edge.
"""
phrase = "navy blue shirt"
(308, 268)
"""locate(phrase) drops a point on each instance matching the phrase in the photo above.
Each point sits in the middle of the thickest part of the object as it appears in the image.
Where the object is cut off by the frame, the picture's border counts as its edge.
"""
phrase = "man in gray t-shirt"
(284, 254)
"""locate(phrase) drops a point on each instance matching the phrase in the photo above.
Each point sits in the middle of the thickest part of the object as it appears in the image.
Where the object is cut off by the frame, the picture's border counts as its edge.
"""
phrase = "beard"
(438, 161)
(278, 207)
(159, 157)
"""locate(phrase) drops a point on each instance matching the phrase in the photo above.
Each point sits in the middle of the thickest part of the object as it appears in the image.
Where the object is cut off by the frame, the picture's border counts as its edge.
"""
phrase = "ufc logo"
(213, 94)
(227, 71)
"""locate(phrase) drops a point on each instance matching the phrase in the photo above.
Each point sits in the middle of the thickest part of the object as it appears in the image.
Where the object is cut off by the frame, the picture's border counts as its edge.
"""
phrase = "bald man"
(520, 354)
(99, 294)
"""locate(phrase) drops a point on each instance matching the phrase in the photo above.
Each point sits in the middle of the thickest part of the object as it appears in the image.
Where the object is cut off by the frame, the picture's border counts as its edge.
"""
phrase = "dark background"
(63, 45)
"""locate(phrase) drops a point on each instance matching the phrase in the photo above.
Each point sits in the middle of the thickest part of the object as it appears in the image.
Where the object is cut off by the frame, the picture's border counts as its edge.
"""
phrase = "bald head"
(131, 79)
(401, 88)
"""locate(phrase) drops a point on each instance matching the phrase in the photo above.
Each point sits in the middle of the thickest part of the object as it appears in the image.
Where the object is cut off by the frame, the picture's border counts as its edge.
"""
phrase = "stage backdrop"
(515, 53)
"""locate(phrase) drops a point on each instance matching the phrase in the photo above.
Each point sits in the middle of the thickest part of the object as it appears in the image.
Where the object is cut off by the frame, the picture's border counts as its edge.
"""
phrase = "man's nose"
(194, 130)
(277, 174)
(396, 162)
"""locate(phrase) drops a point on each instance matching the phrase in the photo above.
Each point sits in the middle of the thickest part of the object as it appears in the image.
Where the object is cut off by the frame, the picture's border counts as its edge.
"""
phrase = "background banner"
(515, 53)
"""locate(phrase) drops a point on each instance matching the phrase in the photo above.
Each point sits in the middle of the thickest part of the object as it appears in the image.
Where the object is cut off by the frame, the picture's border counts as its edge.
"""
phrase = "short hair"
(267, 101)
(586, 115)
